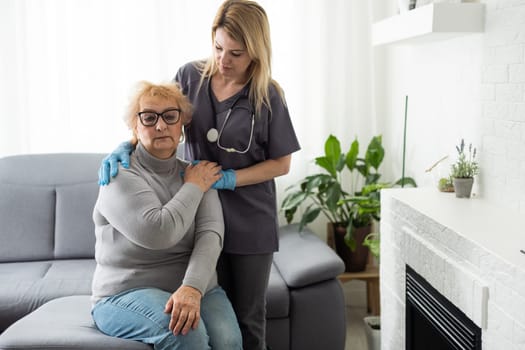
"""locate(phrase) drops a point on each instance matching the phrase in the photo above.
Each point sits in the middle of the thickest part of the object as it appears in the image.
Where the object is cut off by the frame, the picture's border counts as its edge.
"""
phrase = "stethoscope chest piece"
(212, 135)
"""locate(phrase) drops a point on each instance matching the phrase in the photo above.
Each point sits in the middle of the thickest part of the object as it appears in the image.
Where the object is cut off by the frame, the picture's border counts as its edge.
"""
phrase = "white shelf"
(430, 22)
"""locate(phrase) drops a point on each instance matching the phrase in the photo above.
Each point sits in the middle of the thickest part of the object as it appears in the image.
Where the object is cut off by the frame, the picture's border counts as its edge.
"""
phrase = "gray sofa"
(46, 266)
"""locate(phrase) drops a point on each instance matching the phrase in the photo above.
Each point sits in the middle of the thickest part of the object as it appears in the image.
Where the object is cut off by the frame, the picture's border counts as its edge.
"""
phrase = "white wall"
(469, 87)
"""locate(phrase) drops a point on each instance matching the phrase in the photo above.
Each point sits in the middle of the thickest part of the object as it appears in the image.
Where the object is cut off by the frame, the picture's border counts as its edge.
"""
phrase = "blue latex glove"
(109, 164)
(226, 182)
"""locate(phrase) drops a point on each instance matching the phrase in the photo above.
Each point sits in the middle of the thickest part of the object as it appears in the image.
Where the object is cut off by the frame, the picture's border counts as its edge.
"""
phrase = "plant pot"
(355, 261)
(463, 187)
(373, 332)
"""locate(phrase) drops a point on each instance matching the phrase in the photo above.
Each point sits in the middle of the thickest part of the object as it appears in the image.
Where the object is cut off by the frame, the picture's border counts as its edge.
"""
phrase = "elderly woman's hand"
(185, 308)
(203, 174)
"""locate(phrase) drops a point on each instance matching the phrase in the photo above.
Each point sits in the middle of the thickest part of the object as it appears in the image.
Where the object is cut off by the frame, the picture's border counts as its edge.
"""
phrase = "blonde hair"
(168, 91)
(247, 23)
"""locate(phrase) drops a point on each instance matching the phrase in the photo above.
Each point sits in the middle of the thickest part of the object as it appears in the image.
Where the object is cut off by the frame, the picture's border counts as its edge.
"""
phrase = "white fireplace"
(467, 249)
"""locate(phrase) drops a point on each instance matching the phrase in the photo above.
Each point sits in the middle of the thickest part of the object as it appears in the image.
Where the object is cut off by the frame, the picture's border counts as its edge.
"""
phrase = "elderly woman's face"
(161, 138)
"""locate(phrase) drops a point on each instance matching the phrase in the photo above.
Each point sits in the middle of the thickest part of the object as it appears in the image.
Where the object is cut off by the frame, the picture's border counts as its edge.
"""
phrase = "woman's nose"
(161, 125)
(223, 58)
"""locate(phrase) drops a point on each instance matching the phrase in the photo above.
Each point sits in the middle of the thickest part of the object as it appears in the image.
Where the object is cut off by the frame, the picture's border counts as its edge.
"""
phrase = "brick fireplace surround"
(468, 249)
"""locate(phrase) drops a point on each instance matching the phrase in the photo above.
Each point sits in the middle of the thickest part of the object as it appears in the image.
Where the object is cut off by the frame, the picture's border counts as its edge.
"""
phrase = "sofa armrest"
(304, 259)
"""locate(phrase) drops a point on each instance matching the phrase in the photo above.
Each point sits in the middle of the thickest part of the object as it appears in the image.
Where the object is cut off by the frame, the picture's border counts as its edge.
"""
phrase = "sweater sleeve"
(132, 207)
(209, 234)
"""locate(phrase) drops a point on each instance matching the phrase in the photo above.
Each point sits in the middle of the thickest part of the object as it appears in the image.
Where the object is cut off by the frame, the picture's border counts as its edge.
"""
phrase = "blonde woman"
(241, 121)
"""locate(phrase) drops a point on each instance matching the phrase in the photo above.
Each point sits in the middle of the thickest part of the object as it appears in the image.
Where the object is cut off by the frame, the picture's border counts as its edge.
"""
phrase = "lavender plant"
(466, 165)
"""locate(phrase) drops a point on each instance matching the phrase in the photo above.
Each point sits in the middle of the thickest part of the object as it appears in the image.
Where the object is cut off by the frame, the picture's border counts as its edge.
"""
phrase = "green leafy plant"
(466, 165)
(323, 192)
(446, 184)
(373, 242)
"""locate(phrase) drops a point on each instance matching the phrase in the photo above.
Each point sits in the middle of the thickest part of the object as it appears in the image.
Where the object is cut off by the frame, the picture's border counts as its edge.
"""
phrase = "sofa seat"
(26, 285)
(29, 284)
(63, 323)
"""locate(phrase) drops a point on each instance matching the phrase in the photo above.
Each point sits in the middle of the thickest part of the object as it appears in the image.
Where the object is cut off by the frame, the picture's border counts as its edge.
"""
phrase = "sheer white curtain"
(67, 68)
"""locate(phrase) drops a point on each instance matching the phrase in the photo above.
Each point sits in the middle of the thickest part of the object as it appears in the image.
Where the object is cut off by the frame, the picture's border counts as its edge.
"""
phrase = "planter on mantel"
(463, 187)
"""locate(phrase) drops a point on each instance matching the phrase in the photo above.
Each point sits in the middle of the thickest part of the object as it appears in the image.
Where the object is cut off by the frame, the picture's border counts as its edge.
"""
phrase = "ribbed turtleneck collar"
(155, 164)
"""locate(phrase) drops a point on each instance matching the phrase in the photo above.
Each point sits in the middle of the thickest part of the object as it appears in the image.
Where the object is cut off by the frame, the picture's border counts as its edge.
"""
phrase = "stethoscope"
(214, 135)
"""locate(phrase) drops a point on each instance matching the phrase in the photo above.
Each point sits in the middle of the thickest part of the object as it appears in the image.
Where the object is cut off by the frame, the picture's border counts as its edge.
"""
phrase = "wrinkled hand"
(109, 166)
(185, 308)
(203, 174)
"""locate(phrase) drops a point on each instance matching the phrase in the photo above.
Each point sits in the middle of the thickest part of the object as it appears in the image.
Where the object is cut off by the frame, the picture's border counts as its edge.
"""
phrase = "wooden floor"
(355, 300)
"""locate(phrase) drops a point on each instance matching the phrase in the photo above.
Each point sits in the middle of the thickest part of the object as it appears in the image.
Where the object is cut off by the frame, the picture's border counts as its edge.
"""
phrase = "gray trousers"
(245, 280)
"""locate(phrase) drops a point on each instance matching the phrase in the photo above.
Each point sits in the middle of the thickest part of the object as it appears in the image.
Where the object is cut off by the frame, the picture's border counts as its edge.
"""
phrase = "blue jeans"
(138, 314)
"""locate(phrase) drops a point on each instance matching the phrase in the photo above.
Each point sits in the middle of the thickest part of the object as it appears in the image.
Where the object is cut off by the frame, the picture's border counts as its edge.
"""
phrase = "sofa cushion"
(27, 285)
(52, 169)
(312, 261)
(63, 323)
(27, 217)
(75, 230)
(32, 186)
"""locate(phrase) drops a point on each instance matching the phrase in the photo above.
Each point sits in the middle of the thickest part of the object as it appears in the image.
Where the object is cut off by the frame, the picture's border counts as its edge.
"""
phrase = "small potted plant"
(464, 170)
(446, 184)
(373, 332)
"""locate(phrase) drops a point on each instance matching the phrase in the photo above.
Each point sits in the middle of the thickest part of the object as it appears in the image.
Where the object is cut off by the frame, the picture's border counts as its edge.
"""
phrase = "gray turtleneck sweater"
(153, 230)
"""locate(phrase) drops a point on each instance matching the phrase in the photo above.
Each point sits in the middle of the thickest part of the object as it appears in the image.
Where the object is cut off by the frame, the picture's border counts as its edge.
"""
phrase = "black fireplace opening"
(433, 322)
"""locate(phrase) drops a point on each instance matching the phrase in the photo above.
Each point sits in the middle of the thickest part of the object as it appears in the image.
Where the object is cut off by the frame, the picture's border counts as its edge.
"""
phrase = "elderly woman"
(159, 232)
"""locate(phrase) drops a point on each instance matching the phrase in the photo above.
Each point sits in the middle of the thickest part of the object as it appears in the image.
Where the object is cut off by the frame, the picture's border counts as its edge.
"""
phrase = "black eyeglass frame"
(160, 115)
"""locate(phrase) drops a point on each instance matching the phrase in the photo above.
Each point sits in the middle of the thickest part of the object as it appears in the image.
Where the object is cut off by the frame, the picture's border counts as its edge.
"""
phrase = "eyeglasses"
(170, 117)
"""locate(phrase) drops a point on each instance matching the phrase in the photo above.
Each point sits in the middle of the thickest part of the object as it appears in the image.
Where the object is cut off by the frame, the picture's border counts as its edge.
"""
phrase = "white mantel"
(468, 249)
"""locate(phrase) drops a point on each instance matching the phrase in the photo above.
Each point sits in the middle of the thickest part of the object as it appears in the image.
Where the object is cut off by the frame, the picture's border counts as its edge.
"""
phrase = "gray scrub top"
(250, 212)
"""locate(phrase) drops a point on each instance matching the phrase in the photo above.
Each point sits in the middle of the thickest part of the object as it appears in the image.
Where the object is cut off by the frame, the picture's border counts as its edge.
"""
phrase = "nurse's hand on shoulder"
(109, 166)
(185, 308)
(203, 174)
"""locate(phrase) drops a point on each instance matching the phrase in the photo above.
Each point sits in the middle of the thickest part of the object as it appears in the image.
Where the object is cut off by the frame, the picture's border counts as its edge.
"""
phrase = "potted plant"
(350, 212)
(464, 170)
(446, 184)
(373, 332)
